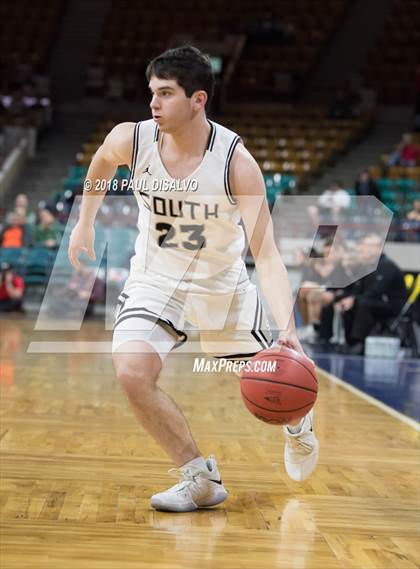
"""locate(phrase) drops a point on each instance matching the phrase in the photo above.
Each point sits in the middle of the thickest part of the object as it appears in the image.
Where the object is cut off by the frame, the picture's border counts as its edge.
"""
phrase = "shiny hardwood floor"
(77, 473)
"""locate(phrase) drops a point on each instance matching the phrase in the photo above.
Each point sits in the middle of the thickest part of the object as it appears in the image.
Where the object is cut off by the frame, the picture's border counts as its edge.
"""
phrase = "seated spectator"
(48, 232)
(11, 289)
(414, 214)
(406, 154)
(85, 286)
(21, 201)
(313, 292)
(366, 186)
(411, 223)
(16, 233)
(331, 205)
(83, 291)
(374, 298)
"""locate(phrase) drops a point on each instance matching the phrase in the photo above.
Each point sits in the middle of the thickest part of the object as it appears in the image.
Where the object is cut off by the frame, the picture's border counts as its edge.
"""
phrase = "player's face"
(170, 106)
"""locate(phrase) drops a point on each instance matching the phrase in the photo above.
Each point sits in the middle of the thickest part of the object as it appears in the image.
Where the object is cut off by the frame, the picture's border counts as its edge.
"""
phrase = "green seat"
(390, 195)
(16, 257)
(411, 196)
(77, 171)
(123, 172)
(39, 265)
(406, 184)
(385, 183)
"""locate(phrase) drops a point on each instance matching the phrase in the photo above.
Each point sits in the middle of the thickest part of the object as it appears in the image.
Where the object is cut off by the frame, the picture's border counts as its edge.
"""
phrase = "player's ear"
(199, 100)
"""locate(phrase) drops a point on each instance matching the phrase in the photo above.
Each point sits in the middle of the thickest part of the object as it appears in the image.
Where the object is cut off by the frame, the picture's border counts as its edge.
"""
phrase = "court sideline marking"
(396, 414)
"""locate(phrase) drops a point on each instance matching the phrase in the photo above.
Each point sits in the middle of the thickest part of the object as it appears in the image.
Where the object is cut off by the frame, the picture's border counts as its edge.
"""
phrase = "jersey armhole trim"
(212, 136)
(156, 134)
(228, 191)
(134, 155)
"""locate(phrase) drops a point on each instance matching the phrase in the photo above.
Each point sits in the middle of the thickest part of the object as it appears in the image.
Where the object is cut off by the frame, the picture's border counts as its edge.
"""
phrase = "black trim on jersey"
(256, 327)
(269, 342)
(212, 136)
(227, 165)
(123, 299)
(260, 326)
(236, 356)
(156, 135)
(151, 317)
(135, 152)
(136, 309)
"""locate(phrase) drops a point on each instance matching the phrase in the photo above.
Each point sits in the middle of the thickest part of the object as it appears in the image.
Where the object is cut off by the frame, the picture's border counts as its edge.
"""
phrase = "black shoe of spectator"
(356, 349)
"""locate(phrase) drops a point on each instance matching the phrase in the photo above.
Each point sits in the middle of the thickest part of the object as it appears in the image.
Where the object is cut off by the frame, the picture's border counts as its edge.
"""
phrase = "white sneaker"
(306, 333)
(301, 450)
(196, 489)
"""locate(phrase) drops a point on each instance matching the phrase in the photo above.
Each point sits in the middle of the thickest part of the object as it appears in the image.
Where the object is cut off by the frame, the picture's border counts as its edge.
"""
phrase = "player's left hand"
(290, 340)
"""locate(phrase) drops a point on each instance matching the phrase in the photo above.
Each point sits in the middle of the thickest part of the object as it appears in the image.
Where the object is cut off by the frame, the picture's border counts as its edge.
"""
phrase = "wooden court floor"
(77, 473)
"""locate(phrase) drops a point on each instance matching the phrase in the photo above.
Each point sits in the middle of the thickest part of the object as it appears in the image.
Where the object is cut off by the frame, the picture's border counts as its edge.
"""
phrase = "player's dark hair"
(188, 66)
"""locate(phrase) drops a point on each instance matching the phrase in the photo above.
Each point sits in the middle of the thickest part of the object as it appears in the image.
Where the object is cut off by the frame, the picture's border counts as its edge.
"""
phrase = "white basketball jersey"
(188, 229)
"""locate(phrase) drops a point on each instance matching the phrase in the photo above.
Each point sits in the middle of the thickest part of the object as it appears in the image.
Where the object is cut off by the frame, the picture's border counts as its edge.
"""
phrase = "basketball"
(279, 387)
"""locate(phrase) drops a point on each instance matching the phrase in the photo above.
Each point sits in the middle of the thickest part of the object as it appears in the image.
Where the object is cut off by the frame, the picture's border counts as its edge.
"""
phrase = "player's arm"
(248, 188)
(116, 150)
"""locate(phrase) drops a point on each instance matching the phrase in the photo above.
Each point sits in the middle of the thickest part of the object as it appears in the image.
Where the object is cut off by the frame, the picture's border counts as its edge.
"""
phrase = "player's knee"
(137, 376)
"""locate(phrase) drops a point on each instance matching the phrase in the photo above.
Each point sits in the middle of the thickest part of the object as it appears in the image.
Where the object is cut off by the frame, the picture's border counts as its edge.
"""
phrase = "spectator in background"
(331, 205)
(374, 298)
(22, 205)
(406, 153)
(411, 223)
(11, 289)
(48, 232)
(85, 286)
(366, 186)
(317, 276)
(83, 291)
(16, 233)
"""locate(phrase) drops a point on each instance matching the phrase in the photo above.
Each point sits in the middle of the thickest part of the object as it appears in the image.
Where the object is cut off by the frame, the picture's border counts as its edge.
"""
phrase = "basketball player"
(188, 265)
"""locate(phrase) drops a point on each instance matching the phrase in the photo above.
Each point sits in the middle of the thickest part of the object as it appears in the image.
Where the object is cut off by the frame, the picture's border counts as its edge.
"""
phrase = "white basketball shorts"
(154, 309)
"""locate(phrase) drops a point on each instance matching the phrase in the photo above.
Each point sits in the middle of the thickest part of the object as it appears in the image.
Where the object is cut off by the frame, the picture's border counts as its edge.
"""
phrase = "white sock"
(198, 462)
(295, 429)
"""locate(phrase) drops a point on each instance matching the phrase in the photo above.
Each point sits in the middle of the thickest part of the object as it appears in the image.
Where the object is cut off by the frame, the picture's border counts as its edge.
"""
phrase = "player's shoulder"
(243, 162)
(245, 174)
(118, 143)
(121, 132)
(127, 130)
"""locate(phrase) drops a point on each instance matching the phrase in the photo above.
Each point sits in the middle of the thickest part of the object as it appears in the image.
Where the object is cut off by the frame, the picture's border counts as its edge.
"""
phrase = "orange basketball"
(280, 386)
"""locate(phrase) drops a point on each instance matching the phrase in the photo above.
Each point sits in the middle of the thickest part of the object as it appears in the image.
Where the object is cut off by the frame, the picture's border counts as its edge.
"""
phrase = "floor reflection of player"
(180, 143)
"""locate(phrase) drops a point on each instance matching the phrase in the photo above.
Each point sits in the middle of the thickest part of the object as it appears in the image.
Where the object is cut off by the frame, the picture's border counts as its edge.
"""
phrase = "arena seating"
(26, 35)
(399, 185)
(26, 32)
(281, 38)
(390, 69)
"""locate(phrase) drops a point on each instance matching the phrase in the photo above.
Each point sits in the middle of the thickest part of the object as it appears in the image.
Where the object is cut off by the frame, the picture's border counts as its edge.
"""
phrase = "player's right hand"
(82, 239)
